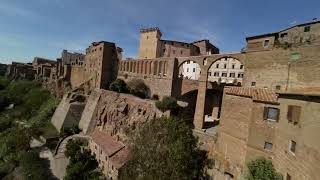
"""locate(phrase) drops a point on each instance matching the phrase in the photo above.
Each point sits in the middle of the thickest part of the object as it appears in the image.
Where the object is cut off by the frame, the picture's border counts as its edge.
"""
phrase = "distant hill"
(3, 69)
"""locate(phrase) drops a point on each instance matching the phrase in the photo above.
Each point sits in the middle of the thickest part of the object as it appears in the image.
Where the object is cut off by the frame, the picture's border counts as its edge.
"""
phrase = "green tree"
(138, 88)
(164, 148)
(167, 103)
(33, 166)
(82, 165)
(119, 86)
(262, 169)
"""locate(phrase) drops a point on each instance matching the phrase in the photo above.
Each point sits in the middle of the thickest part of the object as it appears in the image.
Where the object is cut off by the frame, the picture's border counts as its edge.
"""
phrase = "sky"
(43, 28)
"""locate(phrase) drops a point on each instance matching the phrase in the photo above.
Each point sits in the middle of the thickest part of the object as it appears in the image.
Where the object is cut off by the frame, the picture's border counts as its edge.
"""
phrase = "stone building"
(18, 70)
(101, 64)
(110, 153)
(152, 46)
(279, 126)
(71, 61)
(301, 34)
(43, 67)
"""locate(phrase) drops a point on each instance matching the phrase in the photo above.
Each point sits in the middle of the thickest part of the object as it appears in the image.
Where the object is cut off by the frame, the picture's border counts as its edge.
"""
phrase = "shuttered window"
(293, 114)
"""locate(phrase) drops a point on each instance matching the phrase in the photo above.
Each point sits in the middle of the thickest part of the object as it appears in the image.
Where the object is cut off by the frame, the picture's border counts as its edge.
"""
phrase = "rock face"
(115, 113)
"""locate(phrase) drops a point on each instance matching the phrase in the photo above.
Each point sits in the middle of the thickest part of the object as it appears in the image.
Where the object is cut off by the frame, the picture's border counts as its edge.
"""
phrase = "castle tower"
(101, 64)
(149, 43)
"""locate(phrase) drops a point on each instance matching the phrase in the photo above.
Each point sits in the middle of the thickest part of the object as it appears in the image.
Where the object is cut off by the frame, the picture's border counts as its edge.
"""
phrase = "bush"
(138, 88)
(164, 148)
(155, 97)
(119, 86)
(167, 103)
(262, 169)
(33, 166)
(82, 164)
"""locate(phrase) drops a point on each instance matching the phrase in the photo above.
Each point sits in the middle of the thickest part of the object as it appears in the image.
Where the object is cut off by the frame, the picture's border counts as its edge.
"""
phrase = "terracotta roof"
(120, 158)
(257, 94)
(106, 142)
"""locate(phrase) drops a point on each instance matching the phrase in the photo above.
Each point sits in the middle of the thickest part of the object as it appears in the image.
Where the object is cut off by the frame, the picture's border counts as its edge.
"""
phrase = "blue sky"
(44, 28)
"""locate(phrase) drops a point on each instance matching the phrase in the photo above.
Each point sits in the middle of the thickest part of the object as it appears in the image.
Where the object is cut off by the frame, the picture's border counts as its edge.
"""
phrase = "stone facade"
(152, 46)
(259, 127)
(20, 71)
(101, 64)
(110, 153)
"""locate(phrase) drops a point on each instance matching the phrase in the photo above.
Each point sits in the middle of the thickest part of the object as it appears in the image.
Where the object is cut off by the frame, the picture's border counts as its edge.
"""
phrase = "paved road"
(58, 161)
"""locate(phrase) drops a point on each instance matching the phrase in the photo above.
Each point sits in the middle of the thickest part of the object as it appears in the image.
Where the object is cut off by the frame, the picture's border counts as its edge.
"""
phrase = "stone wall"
(158, 74)
(115, 113)
(77, 76)
(68, 112)
(304, 163)
(278, 68)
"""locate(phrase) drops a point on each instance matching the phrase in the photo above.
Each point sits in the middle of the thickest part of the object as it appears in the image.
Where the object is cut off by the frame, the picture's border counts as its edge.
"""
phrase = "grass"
(30, 117)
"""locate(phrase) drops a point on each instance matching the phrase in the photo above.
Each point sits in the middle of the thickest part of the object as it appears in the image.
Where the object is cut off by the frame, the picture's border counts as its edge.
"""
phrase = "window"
(240, 75)
(217, 66)
(266, 43)
(164, 50)
(307, 28)
(232, 75)
(225, 66)
(253, 83)
(147, 37)
(224, 74)
(194, 69)
(209, 74)
(293, 146)
(293, 114)
(288, 177)
(268, 146)
(188, 62)
(271, 114)
(233, 66)
(216, 74)
(173, 51)
(283, 35)
(278, 87)
(241, 66)
(187, 69)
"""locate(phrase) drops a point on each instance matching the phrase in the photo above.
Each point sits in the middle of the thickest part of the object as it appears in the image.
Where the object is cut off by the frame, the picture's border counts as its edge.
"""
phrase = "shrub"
(119, 86)
(167, 103)
(155, 97)
(33, 166)
(138, 88)
(262, 169)
(162, 149)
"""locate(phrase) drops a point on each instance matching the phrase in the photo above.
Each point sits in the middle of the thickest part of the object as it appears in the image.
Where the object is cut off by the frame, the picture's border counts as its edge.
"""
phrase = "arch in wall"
(155, 67)
(227, 70)
(189, 69)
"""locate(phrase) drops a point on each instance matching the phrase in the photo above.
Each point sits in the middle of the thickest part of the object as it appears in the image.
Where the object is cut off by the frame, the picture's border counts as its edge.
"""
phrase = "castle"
(266, 98)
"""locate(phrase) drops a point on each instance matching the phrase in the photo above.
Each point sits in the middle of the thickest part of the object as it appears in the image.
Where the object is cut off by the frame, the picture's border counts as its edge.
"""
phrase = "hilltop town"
(263, 101)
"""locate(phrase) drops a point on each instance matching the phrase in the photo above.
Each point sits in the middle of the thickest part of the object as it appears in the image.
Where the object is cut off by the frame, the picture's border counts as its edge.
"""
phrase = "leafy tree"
(119, 86)
(164, 148)
(138, 88)
(33, 166)
(262, 169)
(167, 103)
(82, 164)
